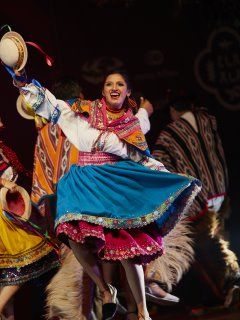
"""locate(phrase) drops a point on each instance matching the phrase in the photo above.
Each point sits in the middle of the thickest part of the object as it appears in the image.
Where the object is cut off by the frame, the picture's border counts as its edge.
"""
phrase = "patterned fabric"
(9, 156)
(126, 208)
(19, 247)
(123, 195)
(127, 127)
(18, 275)
(200, 154)
(9, 163)
(53, 156)
(87, 158)
(24, 253)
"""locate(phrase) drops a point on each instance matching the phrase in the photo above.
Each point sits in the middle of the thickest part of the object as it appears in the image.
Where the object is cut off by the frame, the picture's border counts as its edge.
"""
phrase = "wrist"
(20, 79)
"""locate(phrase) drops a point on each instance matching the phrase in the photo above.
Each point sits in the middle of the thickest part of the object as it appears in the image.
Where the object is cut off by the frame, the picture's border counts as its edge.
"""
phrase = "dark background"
(158, 42)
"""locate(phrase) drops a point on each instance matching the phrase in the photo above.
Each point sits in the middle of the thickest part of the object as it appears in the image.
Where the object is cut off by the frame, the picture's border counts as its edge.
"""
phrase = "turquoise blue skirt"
(124, 195)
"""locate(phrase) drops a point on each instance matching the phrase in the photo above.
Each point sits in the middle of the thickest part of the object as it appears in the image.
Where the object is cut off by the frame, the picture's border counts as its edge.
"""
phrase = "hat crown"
(9, 52)
(13, 50)
(23, 110)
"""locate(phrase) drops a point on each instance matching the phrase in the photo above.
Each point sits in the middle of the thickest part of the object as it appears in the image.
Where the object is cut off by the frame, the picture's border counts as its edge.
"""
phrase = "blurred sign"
(217, 67)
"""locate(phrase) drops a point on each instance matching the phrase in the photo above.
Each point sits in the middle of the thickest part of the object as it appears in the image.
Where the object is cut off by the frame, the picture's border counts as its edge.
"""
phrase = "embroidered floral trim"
(114, 223)
(27, 257)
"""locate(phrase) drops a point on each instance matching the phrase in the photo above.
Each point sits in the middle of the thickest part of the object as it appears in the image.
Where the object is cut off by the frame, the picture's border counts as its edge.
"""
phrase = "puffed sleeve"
(77, 129)
(143, 118)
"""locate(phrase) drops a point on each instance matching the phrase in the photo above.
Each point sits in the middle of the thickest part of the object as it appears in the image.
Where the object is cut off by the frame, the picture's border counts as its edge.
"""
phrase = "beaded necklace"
(114, 114)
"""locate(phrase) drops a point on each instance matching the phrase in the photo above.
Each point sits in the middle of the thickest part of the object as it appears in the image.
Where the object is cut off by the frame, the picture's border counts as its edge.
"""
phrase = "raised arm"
(77, 130)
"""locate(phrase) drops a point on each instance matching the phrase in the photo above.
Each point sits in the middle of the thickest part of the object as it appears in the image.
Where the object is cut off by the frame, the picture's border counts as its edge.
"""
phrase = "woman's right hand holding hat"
(20, 78)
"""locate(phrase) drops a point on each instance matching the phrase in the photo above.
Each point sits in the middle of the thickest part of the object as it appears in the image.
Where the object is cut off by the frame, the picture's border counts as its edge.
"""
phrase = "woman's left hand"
(146, 104)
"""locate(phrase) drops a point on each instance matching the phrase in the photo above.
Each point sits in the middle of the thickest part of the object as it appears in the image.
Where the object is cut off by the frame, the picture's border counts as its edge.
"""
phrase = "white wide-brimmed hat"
(17, 202)
(13, 50)
(23, 110)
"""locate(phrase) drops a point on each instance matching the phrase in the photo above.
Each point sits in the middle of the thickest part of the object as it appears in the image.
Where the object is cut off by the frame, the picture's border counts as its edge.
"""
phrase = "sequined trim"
(13, 276)
(141, 251)
(131, 252)
(25, 258)
(114, 223)
(72, 233)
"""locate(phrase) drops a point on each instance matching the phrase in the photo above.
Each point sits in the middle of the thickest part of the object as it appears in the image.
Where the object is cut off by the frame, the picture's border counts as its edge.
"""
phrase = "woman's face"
(115, 90)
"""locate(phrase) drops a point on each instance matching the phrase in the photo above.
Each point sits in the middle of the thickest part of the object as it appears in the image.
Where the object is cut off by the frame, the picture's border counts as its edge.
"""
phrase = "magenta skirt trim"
(141, 245)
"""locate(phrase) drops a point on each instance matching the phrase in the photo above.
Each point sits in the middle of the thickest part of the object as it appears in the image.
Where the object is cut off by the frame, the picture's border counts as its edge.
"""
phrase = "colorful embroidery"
(127, 127)
(98, 158)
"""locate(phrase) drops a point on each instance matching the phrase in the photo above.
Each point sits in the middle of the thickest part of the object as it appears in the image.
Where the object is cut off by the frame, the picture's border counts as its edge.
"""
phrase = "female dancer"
(23, 254)
(109, 208)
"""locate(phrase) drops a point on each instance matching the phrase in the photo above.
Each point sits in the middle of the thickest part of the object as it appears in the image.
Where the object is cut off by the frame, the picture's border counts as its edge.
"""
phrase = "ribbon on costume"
(49, 60)
(22, 78)
(30, 226)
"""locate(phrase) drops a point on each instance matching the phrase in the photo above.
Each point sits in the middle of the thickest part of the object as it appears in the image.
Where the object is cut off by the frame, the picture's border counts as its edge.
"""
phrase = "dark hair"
(182, 102)
(123, 73)
(66, 88)
(129, 102)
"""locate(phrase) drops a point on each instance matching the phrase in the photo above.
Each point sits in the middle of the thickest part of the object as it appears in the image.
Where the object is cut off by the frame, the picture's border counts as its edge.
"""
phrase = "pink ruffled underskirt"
(141, 245)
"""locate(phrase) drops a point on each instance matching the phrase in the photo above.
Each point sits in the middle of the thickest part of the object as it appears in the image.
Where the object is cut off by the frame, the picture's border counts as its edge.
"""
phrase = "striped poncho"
(200, 154)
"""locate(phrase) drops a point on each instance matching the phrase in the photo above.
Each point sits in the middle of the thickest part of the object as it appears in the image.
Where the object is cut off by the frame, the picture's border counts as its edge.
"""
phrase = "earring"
(131, 103)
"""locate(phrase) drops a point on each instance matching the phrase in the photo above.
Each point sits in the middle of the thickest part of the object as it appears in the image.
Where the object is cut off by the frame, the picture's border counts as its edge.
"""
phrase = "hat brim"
(23, 111)
(19, 41)
(9, 202)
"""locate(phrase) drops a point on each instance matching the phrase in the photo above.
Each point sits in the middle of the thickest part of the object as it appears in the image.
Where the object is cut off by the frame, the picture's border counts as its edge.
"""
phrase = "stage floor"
(196, 314)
